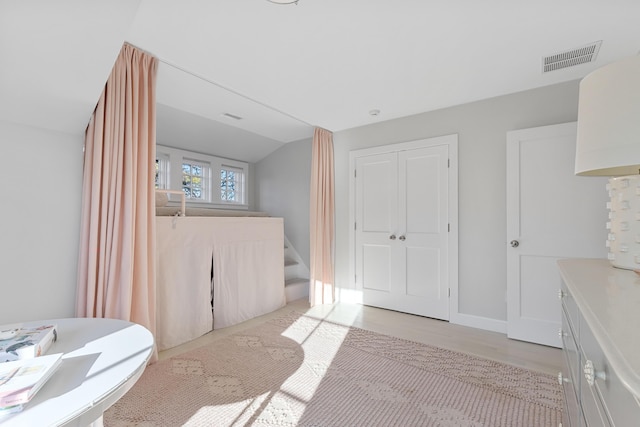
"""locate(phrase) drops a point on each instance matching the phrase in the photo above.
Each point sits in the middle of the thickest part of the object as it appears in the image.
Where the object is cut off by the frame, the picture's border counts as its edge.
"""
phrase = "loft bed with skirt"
(214, 268)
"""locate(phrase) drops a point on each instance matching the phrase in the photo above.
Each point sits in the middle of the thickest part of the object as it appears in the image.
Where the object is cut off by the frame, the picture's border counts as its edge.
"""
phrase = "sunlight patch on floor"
(331, 336)
(243, 411)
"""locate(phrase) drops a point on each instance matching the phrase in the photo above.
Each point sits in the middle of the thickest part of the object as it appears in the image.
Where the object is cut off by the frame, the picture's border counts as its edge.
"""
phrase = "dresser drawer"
(571, 309)
(571, 353)
(594, 412)
(572, 414)
(621, 408)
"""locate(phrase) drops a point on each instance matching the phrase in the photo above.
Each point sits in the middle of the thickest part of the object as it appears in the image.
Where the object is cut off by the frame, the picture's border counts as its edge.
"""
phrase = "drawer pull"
(560, 294)
(562, 379)
(590, 373)
(562, 333)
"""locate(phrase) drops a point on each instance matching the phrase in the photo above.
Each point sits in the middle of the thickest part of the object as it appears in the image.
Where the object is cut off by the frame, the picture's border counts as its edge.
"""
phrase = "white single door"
(401, 230)
(551, 214)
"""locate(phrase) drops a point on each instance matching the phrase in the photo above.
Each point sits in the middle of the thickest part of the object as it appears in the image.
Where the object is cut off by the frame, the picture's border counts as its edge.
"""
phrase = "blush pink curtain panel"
(322, 289)
(116, 268)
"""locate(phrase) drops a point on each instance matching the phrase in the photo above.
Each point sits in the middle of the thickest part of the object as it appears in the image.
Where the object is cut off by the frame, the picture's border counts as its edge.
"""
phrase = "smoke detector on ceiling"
(571, 58)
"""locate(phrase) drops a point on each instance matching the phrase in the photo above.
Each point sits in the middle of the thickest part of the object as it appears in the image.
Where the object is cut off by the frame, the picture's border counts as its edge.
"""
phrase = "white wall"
(251, 188)
(40, 187)
(39, 225)
(282, 189)
(481, 127)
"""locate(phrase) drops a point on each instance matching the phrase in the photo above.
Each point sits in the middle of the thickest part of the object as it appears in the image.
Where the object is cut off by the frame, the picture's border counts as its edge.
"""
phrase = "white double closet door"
(401, 230)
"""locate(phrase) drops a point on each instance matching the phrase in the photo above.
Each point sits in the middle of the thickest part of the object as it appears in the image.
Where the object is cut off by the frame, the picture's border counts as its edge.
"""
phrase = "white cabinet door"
(401, 230)
(551, 214)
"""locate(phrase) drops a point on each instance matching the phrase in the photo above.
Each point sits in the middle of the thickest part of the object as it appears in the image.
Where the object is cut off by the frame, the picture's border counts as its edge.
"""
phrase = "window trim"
(241, 182)
(177, 156)
(206, 178)
(164, 170)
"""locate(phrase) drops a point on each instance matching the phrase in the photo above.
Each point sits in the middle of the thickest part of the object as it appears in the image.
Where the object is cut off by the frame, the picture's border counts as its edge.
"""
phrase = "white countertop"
(102, 360)
(609, 299)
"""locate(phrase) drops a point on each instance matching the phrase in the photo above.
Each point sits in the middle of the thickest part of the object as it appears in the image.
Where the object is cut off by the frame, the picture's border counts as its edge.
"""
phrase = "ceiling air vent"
(570, 58)
(231, 116)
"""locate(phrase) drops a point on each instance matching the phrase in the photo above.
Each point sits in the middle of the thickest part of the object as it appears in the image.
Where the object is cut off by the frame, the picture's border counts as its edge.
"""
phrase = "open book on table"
(20, 380)
(26, 342)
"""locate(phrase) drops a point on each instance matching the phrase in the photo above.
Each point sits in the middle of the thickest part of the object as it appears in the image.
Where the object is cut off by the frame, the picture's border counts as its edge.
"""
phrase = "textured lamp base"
(624, 222)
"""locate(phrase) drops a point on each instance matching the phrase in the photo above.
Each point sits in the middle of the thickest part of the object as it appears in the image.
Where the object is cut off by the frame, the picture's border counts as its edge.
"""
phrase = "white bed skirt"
(247, 255)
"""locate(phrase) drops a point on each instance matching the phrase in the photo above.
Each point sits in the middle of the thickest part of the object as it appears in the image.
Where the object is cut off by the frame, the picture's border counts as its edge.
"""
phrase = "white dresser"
(601, 342)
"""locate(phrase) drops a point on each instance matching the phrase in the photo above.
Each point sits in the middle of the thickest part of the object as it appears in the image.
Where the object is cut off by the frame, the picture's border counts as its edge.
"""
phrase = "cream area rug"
(298, 370)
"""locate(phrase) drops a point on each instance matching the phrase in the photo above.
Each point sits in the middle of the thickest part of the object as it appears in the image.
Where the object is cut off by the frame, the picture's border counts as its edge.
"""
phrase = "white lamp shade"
(608, 140)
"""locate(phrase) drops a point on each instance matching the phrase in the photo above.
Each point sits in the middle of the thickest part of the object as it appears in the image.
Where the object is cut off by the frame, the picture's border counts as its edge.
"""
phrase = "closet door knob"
(392, 237)
(514, 243)
(402, 238)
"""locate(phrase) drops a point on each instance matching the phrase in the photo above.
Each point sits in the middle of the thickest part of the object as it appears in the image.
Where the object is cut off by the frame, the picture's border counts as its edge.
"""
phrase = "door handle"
(402, 238)
(392, 237)
(514, 243)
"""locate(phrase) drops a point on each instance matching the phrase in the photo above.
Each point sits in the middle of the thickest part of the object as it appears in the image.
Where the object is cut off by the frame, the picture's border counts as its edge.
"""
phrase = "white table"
(103, 358)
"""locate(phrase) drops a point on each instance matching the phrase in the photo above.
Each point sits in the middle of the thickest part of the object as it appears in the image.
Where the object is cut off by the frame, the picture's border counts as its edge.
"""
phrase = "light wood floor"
(491, 345)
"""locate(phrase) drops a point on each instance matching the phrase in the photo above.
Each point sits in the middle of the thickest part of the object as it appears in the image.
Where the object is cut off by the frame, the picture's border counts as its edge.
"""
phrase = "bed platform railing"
(180, 193)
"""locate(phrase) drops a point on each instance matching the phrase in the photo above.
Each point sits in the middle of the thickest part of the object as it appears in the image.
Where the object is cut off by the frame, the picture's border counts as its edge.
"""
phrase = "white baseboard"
(478, 322)
(354, 296)
(348, 296)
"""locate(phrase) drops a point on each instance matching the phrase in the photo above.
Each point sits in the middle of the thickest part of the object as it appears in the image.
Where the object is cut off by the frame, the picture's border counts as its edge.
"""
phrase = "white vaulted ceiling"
(286, 69)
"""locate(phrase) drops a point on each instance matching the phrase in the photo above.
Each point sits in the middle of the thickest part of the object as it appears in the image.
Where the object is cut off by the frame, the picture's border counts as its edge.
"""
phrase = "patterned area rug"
(302, 371)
